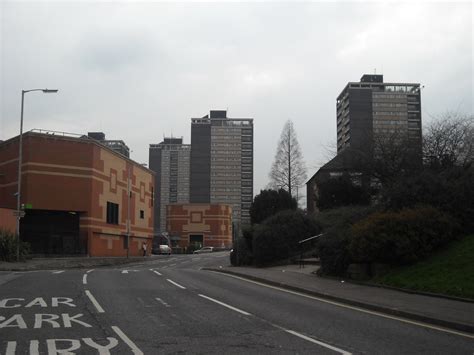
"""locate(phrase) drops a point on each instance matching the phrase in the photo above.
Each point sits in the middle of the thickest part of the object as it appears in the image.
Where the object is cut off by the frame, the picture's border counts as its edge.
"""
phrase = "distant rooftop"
(371, 78)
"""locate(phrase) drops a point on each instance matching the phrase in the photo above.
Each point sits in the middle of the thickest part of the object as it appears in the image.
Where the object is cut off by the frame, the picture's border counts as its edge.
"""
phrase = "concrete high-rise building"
(371, 107)
(370, 114)
(170, 160)
(222, 162)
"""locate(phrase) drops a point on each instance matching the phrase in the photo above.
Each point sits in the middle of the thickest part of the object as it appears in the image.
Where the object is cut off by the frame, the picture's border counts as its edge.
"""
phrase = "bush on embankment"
(8, 247)
(398, 238)
(276, 239)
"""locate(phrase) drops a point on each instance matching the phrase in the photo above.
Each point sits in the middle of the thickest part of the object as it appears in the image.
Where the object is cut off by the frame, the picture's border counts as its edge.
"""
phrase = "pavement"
(68, 263)
(438, 311)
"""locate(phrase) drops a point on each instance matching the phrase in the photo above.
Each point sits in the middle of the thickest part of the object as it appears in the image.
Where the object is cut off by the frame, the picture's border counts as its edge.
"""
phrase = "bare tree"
(449, 141)
(394, 155)
(288, 169)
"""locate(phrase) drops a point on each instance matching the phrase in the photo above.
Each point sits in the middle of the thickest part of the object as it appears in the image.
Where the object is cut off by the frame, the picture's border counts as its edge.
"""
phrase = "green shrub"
(277, 237)
(342, 217)
(399, 238)
(8, 246)
(341, 191)
(451, 191)
(241, 255)
(333, 251)
(333, 246)
(269, 202)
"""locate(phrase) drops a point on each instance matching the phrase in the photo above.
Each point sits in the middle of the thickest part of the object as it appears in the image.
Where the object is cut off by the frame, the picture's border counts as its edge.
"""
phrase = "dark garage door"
(52, 232)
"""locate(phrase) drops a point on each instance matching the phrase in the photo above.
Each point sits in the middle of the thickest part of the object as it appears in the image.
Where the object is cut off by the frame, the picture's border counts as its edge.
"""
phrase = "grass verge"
(449, 272)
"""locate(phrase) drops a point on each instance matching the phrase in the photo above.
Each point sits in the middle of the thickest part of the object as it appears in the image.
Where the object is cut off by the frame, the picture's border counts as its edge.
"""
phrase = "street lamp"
(20, 160)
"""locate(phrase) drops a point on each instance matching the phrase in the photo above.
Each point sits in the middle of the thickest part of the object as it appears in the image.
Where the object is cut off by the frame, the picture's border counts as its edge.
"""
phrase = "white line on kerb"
(58, 272)
(378, 314)
(94, 302)
(317, 342)
(127, 340)
(88, 271)
(225, 305)
(84, 279)
(176, 284)
(157, 272)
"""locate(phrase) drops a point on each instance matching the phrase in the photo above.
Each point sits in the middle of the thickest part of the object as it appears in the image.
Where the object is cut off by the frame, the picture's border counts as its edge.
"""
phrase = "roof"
(347, 160)
(77, 138)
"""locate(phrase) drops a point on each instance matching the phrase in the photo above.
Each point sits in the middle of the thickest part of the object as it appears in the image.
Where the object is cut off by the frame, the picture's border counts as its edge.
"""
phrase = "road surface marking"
(84, 279)
(58, 272)
(176, 284)
(127, 271)
(225, 305)
(88, 271)
(317, 342)
(172, 264)
(94, 302)
(162, 302)
(164, 267)
(127, 340)
(157, 272)
(383, 315)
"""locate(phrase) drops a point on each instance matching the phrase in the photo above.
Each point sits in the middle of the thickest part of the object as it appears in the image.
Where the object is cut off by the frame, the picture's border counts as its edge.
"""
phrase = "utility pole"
(19, 209)
(129, 197)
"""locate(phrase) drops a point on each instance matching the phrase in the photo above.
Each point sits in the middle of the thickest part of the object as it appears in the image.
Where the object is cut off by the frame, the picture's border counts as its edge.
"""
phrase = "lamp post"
(20, 161)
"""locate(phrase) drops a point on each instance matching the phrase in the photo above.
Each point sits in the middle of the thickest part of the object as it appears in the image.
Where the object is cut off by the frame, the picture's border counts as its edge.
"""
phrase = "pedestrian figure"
(144, 248)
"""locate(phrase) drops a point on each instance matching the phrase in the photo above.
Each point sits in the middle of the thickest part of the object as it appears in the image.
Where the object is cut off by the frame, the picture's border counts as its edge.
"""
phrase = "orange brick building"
(75, 192)
(200, 224)
(7, 220)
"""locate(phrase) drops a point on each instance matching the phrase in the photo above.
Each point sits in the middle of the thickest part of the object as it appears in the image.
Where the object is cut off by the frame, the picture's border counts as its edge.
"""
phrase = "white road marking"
(383, 315)
(157, 272)
(58, 272)
(94, 302)
(172, 264)
(127, 271)
(164, 267)
(176, 284)
(127, 340)
(162, 302)
(88, 271)
(84, 279)
(225, 305)
(340, 351)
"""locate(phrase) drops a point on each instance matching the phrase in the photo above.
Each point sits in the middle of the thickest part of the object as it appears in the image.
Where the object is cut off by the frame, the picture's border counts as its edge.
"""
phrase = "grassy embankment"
(449, 272)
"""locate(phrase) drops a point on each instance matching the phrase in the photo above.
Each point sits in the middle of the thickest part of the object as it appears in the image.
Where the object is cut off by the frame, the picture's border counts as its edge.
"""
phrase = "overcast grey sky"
(140, 70)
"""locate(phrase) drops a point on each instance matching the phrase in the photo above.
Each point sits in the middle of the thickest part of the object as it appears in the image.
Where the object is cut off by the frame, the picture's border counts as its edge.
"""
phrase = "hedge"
(277, 237)
(8, 247)
(403, 237)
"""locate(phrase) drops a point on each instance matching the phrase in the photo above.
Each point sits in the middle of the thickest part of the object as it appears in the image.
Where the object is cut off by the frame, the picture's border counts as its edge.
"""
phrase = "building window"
(142, 214)
(112, 213)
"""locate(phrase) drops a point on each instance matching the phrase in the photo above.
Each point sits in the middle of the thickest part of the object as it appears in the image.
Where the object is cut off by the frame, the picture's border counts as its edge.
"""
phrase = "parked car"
(162, 249)
(204, 250)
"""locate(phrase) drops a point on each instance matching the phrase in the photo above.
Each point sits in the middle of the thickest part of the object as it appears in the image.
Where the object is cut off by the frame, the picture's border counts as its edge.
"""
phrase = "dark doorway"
(196, 240)
(52, 233)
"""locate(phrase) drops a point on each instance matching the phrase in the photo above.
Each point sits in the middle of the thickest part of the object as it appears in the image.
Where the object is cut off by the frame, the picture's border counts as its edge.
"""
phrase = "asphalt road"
(169, 305)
